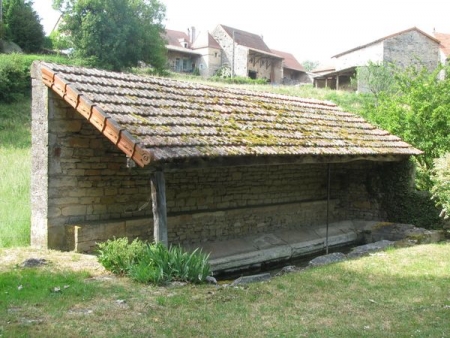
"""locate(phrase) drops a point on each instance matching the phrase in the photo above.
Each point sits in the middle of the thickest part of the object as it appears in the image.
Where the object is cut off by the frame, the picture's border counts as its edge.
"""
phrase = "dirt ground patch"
(54, 260)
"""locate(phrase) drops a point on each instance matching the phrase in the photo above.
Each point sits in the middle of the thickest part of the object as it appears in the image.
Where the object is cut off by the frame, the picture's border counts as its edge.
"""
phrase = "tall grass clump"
(153, 263)
(15, 166)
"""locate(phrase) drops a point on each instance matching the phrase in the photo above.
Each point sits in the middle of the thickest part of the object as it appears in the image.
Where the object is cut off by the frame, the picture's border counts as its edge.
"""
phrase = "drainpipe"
(328, 206)
(232, 61)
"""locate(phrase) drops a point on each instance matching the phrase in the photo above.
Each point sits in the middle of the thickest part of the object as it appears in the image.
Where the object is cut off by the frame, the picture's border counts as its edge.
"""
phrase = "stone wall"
(88, 179)
(360, 57)
(226, 43)
(265, 69)
(90, 195)
(412, 48)
(209, 61)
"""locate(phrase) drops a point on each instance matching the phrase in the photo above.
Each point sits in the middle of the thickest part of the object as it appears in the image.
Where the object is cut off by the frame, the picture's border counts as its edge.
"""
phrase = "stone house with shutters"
(247, 55)
(117, 155)
(405, 48)
(181, 58)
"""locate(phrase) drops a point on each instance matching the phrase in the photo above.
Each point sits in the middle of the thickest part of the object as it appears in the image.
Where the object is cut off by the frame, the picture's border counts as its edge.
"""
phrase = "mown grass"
(398, 293)
(15, 164)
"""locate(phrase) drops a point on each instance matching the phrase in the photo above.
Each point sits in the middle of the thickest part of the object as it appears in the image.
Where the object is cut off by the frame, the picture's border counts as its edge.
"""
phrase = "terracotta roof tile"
(174, 37)
(247, 39)
(445, 42)
(159, 119)
(289, 60)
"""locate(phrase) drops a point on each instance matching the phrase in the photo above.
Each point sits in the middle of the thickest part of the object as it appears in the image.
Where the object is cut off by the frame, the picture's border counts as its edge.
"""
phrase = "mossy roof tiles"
(159, 119)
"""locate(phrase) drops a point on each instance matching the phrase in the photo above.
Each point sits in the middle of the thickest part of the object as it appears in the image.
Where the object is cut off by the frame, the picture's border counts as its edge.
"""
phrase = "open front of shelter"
(120, 155)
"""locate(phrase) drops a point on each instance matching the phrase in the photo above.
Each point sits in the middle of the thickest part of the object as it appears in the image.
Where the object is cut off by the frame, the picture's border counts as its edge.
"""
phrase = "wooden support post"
(158, 187)
(337, 82)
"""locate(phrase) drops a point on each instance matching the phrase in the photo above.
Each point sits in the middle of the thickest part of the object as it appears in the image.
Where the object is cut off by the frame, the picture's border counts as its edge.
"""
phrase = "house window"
(178, 65)
(216, 54)
(186, 65)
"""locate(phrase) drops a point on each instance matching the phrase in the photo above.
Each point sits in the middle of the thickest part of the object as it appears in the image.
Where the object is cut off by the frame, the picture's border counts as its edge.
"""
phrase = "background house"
(293, 71)
(321, 81)
(444, 49)
(405, 48)
(243, 53)
(181, 58)
(210, 53)
(248, 55)
(444, 39)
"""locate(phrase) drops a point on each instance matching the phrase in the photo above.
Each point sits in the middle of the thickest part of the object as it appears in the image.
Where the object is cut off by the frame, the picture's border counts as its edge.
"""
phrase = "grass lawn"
(397, 293)
(15, 164)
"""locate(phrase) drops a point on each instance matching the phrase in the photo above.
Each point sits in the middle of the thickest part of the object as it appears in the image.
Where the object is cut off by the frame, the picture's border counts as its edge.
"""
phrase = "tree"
(441, 184)
(115, 34)
(417, 108)
(309, 65)
(375, 78)
(58, 41)
(22, 25)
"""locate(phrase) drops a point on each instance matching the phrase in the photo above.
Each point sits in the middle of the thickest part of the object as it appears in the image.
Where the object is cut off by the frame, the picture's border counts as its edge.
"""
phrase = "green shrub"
(119, 255)
(153, 263)
(441, 184)
(15, 78)
(402, 202)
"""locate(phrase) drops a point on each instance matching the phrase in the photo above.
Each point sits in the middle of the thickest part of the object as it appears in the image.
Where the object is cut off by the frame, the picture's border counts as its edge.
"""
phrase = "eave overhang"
(97, 117)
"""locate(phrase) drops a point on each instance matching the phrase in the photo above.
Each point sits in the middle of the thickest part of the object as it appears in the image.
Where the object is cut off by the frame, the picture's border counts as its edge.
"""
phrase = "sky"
(313, 30)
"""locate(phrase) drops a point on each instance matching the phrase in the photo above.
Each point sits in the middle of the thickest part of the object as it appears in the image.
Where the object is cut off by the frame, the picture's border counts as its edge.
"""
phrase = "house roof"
(162, 120)
(247, 39)
(388, 37)
(324, 69)
(289, 60)
(183, 50)
(445, 42)
(174, 37)
(205, 39)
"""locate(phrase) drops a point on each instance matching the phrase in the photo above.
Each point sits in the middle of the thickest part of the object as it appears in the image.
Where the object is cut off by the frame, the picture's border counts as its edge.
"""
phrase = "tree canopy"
(416, 107)
(309, 65)
(115, 34)
(22, 25)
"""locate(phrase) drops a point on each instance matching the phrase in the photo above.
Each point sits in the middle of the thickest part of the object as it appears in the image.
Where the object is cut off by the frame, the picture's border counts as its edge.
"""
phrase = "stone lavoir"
(117, 155)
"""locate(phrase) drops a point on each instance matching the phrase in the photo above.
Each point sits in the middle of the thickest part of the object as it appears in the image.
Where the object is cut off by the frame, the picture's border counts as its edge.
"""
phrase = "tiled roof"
(161, 120)
(324, 68)
(445, 42)
(388, 37)
(205, 39)
(289, 60)
(247, 39)
(173, 38)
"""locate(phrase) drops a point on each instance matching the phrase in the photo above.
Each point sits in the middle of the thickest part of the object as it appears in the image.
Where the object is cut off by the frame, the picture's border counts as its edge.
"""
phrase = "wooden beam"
(243, 161)
(158, 187)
